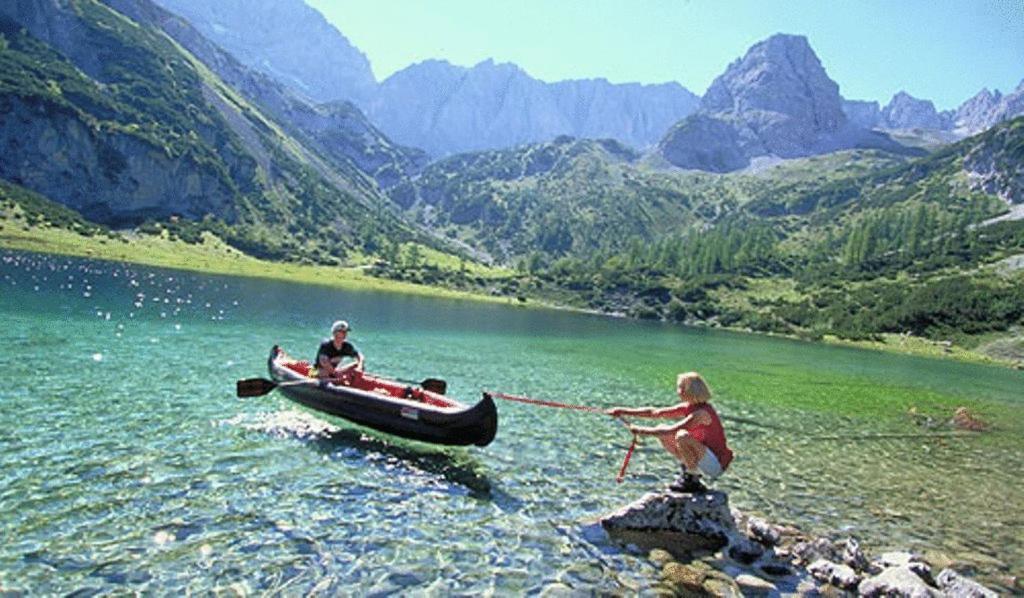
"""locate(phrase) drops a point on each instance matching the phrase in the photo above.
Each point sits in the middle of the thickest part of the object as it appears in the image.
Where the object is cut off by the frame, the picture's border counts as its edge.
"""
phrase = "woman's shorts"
(709, 465)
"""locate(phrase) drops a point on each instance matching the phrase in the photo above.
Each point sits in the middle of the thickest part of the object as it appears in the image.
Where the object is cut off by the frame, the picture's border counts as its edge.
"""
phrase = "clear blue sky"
(942, 50)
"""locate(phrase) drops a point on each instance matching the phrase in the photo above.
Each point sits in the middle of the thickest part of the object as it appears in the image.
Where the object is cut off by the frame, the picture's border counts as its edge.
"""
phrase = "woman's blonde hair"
(694, 388)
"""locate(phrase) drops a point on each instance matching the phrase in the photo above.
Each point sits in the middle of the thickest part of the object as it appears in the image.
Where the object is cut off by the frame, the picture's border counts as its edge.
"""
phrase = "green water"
(127, 464)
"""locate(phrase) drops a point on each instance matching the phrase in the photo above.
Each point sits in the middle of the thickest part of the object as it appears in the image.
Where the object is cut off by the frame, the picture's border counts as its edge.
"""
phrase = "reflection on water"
(139, 471)
(454, 466)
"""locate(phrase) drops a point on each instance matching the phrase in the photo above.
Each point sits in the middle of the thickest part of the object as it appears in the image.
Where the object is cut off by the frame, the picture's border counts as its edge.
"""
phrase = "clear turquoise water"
(127, 464)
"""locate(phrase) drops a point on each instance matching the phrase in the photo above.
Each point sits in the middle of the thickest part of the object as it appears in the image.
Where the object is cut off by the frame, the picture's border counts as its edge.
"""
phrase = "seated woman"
(333, 351)
(697, 440)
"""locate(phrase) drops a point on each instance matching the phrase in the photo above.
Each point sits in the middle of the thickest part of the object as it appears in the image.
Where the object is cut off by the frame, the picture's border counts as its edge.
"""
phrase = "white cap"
(339, 325)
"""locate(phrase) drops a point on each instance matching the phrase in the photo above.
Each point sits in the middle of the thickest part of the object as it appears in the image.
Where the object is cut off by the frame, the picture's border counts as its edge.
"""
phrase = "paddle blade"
(254, 387)
(435, 385)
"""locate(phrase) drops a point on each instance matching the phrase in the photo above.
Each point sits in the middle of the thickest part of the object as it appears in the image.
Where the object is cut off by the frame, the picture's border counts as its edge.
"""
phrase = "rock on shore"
(706, 548)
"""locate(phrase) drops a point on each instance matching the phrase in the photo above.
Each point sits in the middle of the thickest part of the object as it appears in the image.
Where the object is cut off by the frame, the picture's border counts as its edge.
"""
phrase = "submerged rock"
(684, 577)
(752, 585)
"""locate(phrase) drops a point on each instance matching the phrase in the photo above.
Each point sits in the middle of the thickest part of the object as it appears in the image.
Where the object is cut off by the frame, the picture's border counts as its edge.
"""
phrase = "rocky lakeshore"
(706, 548)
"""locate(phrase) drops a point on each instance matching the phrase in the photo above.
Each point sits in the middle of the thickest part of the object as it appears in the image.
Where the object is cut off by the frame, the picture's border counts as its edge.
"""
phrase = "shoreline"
(704, 546)
(216, 257)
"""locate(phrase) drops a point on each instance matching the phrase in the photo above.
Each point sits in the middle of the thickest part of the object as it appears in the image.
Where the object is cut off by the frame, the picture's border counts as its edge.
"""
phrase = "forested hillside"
(853, 243)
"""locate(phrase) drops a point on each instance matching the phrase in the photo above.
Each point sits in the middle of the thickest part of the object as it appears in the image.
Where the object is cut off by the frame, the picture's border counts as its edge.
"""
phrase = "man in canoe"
(697, 440)
(333, 350)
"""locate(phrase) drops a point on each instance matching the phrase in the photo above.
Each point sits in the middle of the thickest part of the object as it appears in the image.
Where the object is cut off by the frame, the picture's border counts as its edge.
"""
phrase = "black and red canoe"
(387, 405)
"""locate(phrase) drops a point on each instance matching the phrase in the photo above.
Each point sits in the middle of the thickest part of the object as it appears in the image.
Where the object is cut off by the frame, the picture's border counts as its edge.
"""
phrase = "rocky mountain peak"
(904, 111)
(781, 74)
(775, 100)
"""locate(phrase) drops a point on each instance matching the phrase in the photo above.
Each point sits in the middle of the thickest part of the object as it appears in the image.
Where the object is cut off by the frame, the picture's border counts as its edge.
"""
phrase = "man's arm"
(348, 367)
(325, 365)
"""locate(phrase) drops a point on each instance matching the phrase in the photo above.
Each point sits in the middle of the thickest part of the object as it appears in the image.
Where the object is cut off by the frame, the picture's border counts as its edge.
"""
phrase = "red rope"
(528, 400)
(625, 462)
(508, 397)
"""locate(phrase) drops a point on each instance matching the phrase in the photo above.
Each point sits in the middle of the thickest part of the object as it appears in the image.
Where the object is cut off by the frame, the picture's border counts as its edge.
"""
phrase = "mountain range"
(433, 105)
(446, 109)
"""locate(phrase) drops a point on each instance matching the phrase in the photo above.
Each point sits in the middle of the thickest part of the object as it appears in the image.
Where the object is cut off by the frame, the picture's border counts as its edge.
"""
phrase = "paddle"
(434, 385)
(257, 387)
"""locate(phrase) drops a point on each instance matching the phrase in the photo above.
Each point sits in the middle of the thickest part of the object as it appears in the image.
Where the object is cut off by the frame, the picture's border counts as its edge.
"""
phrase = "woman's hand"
(615, 411)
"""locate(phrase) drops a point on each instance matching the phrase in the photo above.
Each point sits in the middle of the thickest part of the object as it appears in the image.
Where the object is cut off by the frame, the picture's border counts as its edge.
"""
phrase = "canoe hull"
(456, 424)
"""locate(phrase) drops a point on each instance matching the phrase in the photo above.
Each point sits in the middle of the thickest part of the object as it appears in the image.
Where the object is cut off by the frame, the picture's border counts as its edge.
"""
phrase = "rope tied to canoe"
(587, 408)
(528, 400)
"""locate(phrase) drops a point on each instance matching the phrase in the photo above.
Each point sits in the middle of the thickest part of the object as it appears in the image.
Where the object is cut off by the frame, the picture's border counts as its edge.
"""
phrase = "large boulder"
(678, 522)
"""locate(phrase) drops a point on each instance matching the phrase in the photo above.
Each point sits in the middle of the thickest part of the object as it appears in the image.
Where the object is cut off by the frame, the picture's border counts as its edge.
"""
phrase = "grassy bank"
(914, 345)
(211, 256)
(215, 257)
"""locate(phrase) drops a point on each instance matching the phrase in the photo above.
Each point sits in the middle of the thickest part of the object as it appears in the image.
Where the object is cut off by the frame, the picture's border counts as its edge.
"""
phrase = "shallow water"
(127, 464)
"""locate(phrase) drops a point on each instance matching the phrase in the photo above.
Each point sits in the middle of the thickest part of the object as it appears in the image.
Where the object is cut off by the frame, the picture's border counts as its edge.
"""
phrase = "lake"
(128, 465)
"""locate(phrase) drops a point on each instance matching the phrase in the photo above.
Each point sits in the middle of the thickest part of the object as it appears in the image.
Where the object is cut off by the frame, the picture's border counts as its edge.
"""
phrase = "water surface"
(127, 464)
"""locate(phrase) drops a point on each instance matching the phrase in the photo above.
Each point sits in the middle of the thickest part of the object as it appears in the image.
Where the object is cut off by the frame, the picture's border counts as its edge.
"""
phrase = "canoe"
(387, 405)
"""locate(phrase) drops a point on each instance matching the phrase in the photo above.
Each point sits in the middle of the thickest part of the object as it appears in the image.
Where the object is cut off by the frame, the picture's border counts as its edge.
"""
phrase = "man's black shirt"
(328, 350)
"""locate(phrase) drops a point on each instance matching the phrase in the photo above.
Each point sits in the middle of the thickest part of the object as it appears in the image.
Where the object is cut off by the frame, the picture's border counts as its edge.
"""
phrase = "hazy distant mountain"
(861, 113)
(905, 111)
(433, 105)
(448, 109)
(775, 101)
(986, 109)
(287, 40)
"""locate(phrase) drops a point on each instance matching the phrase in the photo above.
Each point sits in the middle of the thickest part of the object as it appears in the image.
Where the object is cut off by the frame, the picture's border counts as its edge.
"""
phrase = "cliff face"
(73, 128)
(781, 76)
(113, 178)
(996, 164)
(704, 142)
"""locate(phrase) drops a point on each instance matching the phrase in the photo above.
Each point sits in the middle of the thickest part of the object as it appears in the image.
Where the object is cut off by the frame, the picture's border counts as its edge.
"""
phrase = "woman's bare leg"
(689, 451)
